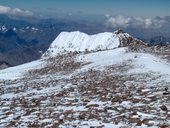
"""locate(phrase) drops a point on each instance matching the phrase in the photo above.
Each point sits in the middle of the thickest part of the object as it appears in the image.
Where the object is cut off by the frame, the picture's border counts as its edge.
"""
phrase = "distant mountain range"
(22, 41)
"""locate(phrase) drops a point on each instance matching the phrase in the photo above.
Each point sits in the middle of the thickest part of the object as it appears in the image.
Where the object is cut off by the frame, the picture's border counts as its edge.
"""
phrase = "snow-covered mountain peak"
(78, 41)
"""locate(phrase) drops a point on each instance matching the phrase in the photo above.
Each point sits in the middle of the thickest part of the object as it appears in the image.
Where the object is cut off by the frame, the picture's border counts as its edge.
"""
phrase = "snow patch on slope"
(18, 71)
(152, 63)
(142, 62)
(104, 58)
(78, 41)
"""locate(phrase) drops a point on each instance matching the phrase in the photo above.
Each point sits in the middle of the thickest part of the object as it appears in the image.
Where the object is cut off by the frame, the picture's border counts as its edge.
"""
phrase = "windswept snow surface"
(142, 62)
(105, 58)
(152, 63)
(18, 71)
(78, 41)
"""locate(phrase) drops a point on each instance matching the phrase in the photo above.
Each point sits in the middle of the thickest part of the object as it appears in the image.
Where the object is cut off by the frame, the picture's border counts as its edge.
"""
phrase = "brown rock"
(139, 123)
(82, 116)
(9, 113)
(102, 126)
(164, 126)
(115, 99)
(92, 105)
(164, 108)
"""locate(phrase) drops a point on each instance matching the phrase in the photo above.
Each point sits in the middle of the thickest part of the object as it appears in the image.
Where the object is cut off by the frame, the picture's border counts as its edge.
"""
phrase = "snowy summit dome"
(78, 41)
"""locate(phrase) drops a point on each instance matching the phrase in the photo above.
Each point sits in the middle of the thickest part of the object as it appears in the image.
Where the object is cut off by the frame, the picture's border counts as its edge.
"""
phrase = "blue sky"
(142, 8)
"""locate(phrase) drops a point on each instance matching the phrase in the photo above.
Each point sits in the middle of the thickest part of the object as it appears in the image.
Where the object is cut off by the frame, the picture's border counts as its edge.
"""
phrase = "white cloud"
(107, 15)
(4, 10)
(14, 11)
(124, 21)
(148, 22)
(118, 21)
(19, 12)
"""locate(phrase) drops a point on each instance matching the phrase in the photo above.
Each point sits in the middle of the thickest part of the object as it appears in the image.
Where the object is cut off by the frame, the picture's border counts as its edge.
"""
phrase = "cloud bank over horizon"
(110, 21)
(134, 22)
(15, 11)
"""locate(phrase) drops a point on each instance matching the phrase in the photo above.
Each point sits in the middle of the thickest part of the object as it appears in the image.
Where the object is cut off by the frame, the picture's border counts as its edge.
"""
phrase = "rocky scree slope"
(106, 87)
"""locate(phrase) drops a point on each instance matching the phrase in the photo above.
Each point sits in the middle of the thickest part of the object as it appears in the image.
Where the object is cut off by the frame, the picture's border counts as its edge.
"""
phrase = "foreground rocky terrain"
(118, 87)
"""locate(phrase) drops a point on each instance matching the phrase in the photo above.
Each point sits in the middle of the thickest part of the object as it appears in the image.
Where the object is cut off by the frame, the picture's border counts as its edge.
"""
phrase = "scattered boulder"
(164, 108)
(92, 105)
